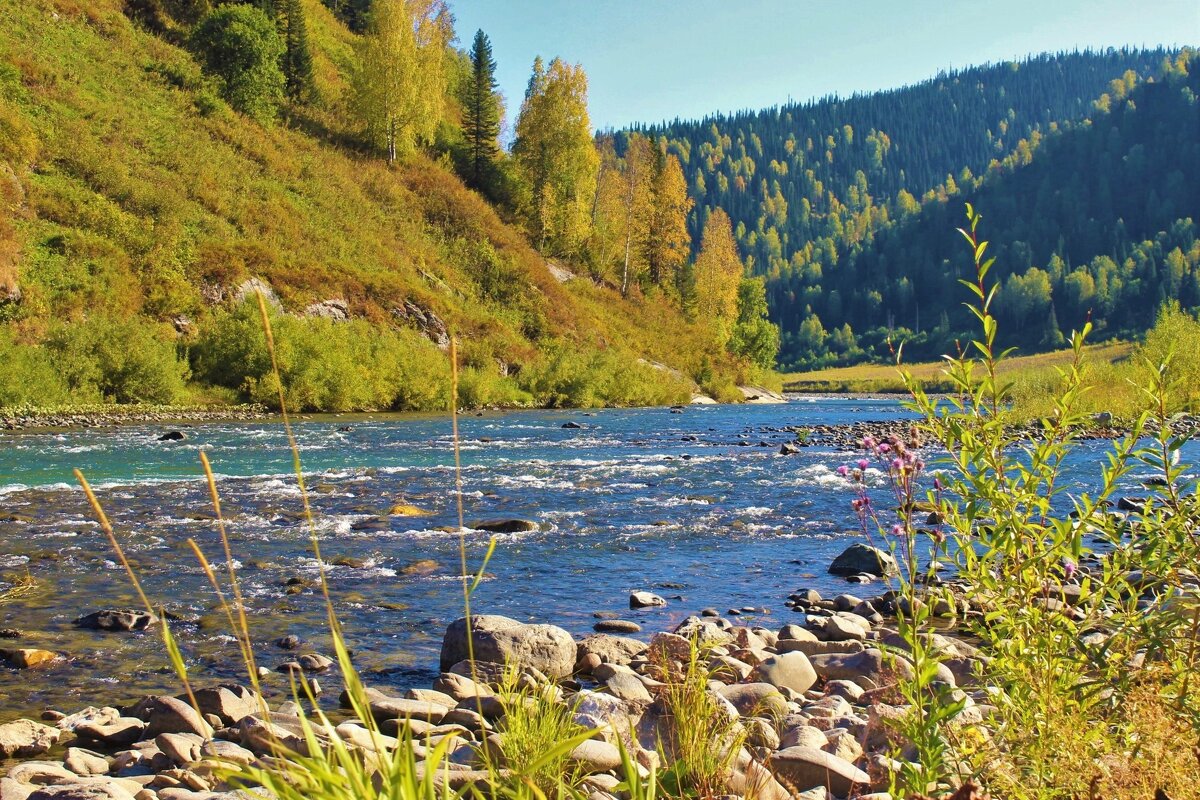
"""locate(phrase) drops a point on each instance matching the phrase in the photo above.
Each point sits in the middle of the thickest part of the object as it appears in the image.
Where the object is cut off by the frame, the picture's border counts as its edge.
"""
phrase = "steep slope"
(133, 196)
(1097, 219)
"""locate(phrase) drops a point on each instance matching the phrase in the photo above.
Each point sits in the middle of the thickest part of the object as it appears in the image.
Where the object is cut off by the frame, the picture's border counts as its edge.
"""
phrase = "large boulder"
(609, 649)
(787, 670)
(860, 558)
(24, 738)
(755, 699)
(229, 702)
(803, 768)
(869, 668)
(500, 640)
(165, 714)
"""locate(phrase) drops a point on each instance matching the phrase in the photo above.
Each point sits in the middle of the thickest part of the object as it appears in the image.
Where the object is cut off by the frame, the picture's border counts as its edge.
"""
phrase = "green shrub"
(326, 365)
(565, 377)
(479, 388)
(240, 45)
(118, 360)
(29, 376)
(1083, 613)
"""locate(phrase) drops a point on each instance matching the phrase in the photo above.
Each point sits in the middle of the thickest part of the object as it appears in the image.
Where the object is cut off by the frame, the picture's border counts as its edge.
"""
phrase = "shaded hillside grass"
(141, 194)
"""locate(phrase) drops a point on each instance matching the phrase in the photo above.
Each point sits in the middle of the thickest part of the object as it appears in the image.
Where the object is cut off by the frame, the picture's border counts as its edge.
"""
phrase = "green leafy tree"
(718, 275)
(241, 47)
(669, 239)
(400, 85)
(1175, 341)
(556, 157)
(754, 337)
(481, 111)
(297, 55)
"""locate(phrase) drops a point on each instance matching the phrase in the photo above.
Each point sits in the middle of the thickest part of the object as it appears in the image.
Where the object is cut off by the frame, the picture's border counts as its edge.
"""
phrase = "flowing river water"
(699, 507)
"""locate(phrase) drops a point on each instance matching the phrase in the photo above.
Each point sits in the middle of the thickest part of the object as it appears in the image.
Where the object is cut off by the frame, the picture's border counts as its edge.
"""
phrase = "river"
(697, 506)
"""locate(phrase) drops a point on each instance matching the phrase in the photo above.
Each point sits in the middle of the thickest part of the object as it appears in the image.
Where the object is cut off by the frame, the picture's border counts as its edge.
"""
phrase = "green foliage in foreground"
(1083, 612)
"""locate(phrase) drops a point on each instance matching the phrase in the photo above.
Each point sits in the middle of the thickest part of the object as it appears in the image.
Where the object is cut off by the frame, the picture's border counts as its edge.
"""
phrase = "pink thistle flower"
(897, 530)
(863, 463)
(843, 470)
(883, 448)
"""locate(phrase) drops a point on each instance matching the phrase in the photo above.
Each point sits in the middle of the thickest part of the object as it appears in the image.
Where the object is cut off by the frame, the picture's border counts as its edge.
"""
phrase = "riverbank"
(808, 705)
(812, 709)
(112, 416)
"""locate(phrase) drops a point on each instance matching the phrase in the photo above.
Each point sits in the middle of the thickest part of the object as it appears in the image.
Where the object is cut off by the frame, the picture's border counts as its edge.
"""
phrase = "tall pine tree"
(481, 120)
(297, 57)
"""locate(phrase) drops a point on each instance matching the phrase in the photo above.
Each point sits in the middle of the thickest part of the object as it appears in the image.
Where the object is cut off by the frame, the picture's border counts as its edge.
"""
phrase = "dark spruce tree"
(297, 56)
(481, 122)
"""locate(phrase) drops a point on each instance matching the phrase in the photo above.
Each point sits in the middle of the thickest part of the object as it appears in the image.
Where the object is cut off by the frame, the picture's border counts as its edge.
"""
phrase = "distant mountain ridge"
(808, 183)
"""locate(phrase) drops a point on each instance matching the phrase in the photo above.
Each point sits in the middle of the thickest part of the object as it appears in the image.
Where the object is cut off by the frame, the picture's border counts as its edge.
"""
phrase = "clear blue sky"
(649, 60)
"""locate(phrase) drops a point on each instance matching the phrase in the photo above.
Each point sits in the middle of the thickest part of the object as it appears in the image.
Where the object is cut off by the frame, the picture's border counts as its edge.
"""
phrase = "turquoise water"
(697, 506)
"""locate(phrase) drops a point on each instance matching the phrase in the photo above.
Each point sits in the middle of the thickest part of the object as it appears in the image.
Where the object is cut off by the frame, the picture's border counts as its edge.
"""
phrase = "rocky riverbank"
(115, 416)
(810, 701)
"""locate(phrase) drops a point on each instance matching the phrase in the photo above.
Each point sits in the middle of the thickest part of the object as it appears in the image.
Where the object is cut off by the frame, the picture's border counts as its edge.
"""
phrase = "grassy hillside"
(137, 201)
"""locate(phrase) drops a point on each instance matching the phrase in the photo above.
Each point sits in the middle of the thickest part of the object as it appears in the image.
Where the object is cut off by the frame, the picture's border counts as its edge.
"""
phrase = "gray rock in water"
(500, 640)
(860, 558)
(24, 738)
(314, 662)
(645, 600)
(173, 436)
(616, 626)
(505, 526)
(117, 620)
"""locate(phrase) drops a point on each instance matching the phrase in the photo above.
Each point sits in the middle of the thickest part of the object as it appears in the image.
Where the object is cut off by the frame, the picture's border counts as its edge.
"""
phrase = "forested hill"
(1095, 219)
(829, 169)
(808, 183)
(161, 159)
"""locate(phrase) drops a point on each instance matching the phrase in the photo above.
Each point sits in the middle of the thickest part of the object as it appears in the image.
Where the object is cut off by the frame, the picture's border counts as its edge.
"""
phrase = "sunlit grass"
(869, 378)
